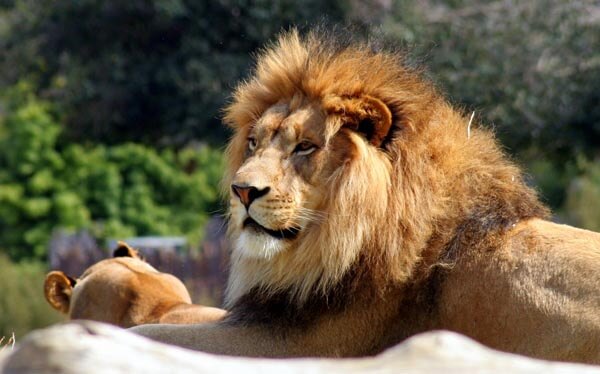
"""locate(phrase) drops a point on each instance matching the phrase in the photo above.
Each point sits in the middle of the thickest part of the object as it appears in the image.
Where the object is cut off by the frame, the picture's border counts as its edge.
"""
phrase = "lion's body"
(364, 211)
(125, 291)
(541, 287)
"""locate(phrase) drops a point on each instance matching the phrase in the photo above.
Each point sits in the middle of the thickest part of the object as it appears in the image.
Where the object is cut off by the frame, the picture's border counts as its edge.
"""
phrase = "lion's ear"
(58, 288)
(124, 250)
(366, 115)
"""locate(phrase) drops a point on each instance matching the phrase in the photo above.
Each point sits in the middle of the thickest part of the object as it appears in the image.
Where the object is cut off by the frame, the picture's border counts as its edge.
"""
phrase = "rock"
(92, 347)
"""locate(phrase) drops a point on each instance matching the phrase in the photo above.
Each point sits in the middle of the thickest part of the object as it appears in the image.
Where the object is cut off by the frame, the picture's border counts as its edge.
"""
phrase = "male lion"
(125, 291)
(363, 212)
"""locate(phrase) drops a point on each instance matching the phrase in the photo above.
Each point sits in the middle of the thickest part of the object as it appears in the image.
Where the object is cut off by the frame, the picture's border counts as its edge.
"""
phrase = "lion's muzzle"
(287, 233)
(247, 194)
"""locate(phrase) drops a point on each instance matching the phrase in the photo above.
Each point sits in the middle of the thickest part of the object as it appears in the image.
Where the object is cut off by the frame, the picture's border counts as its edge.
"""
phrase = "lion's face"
(291, 153)
(275, 194)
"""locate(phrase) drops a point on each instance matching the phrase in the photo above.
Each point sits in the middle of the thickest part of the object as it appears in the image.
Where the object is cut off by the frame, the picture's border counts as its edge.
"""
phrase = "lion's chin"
(258, 245)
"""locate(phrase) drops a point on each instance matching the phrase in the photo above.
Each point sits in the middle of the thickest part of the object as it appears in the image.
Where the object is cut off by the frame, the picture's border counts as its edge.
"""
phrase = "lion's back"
(540, 286)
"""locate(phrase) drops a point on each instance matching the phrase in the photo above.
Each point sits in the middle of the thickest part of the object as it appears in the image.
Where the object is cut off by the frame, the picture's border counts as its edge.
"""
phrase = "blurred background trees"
(150, 71)
(113, 190)
(109, 110)
(531, 70)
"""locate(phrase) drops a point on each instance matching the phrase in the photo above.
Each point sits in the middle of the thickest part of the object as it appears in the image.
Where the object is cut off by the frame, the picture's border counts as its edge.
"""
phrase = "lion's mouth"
(289, 233)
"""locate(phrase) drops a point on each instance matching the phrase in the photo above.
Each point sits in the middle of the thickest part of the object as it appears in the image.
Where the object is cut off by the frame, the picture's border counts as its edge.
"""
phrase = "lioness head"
(123, 290)
(311, 173)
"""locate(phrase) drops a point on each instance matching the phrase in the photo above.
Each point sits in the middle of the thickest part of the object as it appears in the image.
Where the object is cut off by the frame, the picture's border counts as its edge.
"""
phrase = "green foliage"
(115, 191)
(551, 179)
(22, 305)
(582, 206)
(532, 69)
(147, 71)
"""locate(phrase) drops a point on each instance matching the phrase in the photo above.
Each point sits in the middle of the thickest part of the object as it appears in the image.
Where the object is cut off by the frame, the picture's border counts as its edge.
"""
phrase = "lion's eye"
(304, 148)
(251, 144)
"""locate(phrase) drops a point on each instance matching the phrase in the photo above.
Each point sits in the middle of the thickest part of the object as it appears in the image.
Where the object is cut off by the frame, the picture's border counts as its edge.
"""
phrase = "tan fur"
(125, 291)
(381, 218)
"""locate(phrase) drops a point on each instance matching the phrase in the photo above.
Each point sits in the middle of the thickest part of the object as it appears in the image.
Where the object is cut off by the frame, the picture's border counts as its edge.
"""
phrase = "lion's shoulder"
(557, 233)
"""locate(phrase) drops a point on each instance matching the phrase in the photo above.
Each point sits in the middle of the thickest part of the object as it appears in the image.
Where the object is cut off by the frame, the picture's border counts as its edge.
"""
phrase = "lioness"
(363, 211)
(125, 291)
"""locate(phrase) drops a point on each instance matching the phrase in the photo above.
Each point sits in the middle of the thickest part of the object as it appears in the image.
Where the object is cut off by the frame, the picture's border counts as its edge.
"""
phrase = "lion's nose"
(247, 194)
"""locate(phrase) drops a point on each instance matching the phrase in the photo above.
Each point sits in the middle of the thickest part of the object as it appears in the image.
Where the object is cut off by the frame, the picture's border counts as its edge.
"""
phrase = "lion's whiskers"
(311, 215)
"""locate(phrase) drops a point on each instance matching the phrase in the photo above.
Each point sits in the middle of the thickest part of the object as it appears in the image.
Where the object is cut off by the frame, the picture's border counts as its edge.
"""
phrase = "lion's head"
(345, 158)
(124, 290)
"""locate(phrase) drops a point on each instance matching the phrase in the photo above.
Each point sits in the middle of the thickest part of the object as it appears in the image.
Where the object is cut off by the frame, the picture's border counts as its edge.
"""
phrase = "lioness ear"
(366, 115)
(124, 250)
(58, 288)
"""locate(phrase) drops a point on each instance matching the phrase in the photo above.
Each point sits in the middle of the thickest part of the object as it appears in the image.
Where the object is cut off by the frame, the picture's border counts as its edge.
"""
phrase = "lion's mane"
(394, 211)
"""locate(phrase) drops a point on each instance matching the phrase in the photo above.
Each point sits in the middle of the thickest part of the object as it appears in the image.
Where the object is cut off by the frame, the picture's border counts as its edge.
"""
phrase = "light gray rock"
(92, 347)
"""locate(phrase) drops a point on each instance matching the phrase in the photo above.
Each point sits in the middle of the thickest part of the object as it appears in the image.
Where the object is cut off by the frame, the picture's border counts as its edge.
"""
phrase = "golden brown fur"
(125, 291)
(362, 212)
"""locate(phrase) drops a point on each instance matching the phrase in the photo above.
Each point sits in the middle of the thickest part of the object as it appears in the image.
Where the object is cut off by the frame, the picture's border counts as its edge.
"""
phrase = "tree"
(532, 69)
(529, 69)
(114, 191)
(149, 71)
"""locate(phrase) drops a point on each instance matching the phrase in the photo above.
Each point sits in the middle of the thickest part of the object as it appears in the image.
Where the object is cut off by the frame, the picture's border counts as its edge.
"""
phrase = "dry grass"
(10, 342)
